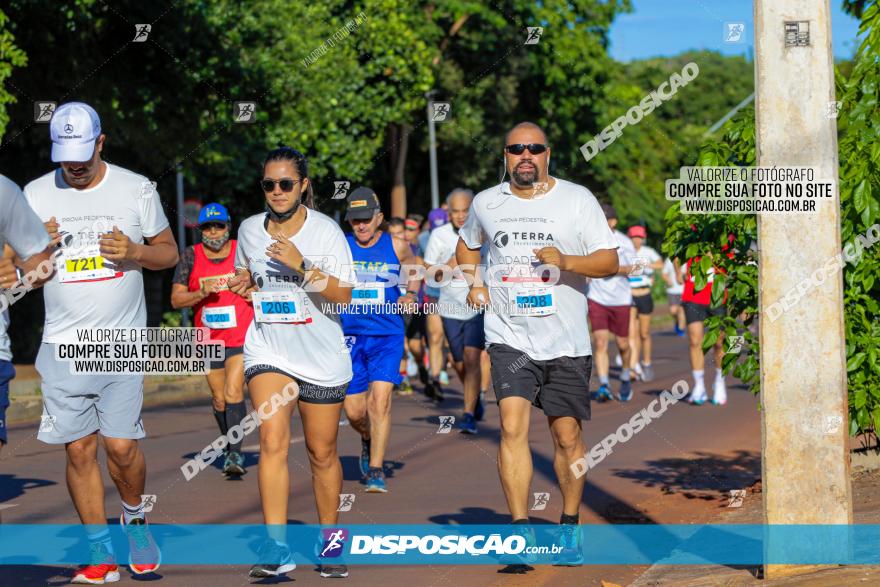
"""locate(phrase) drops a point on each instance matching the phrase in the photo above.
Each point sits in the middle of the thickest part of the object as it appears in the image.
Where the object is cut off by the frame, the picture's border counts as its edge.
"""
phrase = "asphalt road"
(679, 469)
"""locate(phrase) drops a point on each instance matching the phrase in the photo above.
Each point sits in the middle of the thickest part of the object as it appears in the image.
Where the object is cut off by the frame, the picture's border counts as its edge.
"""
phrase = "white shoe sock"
(719, 389)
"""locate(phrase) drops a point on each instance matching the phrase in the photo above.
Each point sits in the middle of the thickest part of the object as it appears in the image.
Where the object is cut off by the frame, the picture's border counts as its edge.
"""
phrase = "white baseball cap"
(74, 128)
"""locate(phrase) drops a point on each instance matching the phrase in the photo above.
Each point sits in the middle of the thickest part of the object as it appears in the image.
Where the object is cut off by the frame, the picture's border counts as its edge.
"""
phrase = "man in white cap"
(109, 224)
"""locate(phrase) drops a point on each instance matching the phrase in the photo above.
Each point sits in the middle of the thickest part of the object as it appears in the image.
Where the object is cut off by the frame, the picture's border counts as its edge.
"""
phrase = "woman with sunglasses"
(294, 262)
(200, 282)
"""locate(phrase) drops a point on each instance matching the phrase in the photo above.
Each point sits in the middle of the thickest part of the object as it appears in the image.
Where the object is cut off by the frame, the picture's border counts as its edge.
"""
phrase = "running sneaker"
(365, 458)
(430, 390)
(529, 554)
(570, 539)
(334, 571)
(603, 394)
(233, 466)
(412, 369)
(143, 553)
(697, 396)
(405, 387)
(437, 390)
(679, 331)
(719, 392)
(480, 410)
(276, 560)
(444, 377)
(376, 481)
(639, 375)
(102, 569)
(625, 393)
(468, 424)
(647, 372)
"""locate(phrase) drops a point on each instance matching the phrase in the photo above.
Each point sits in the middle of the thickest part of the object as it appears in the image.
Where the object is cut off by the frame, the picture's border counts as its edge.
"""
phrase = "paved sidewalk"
(866, 510)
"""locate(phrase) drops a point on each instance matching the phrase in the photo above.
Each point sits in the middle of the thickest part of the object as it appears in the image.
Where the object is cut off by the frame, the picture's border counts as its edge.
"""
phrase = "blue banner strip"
(49, 544)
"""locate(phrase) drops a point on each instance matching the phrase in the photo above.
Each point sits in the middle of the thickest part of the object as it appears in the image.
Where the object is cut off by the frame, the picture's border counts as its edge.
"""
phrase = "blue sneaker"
(376, 481)
(365, 458)
(480, 410)
(626, 391)
(603, 394)
(679, 331)
(570, 540)
(528, 533)
(468, 424)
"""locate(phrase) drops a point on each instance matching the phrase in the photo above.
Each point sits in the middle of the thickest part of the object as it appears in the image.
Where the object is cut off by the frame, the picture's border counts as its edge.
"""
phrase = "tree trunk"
(398, 135)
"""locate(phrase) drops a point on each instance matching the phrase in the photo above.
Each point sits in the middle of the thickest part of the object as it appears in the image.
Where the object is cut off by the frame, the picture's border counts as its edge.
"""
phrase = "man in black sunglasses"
(545, 236)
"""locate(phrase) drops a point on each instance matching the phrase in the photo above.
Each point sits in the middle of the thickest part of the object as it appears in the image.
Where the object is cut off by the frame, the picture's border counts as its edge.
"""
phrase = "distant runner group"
(503, 287)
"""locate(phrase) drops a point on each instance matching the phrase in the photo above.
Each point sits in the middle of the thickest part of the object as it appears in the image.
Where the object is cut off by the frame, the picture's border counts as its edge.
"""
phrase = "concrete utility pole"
(806, 472)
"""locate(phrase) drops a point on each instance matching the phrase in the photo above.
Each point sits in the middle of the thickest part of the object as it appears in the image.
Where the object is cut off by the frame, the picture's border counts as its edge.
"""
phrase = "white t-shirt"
(567, 217)
(21, 229)
(453, 295)
(615, 290)
(123, 199)
(669, 273)
(313, 351)
(647, 256)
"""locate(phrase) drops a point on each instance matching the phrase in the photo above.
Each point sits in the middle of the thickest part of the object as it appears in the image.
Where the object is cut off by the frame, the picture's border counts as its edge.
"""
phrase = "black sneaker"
(276, 560)
(438, 391)
(334, 571)
(479, 411)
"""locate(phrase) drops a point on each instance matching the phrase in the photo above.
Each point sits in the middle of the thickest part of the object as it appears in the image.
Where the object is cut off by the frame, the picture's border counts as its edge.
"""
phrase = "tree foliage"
(859, 156)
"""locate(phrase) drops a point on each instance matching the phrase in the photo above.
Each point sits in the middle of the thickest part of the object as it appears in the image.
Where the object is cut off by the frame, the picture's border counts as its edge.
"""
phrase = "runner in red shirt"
(200, 282)
(697, 308)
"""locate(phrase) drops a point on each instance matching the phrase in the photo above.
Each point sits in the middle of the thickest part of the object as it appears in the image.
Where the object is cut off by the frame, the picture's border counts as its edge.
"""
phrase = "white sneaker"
(412, 369)
(638, 372)
(618, 362)
(719, 392)
(698, 395)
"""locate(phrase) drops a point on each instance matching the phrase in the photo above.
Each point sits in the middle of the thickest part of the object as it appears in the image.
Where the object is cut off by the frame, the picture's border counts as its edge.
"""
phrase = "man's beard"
(527, 178)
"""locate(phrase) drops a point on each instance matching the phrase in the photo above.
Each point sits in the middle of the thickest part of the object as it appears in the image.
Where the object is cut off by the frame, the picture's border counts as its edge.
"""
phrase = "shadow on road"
(704, 476)
(12, 486)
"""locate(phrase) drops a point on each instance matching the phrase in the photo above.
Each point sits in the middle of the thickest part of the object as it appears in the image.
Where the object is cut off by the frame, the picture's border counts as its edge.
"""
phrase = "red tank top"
(227, 314)
(703, 296)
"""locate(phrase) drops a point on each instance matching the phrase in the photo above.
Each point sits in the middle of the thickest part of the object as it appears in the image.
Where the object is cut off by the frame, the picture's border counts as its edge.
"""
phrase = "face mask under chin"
(282, 216)
(215, 244)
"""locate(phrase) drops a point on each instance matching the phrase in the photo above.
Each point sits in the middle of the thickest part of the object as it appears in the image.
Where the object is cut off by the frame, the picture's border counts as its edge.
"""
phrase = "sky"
(668, 27)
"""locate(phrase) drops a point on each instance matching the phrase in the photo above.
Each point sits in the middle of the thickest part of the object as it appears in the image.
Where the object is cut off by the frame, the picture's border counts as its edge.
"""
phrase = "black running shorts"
(559, 387)
(308, 392)
(230, 351)
(699, 312)
(644, 304)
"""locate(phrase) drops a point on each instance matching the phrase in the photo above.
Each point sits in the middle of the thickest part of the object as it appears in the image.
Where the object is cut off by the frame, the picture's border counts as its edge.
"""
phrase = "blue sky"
(669, 27)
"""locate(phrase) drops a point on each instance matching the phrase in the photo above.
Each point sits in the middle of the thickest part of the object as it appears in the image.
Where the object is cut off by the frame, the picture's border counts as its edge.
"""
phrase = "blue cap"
(213, 212)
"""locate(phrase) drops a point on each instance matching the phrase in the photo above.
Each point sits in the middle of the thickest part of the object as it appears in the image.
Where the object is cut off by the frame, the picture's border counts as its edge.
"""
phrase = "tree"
(10, 57)
(859, 156)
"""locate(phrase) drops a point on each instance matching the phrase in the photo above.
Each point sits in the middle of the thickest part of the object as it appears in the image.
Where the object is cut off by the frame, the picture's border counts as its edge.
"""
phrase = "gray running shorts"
(75, 406)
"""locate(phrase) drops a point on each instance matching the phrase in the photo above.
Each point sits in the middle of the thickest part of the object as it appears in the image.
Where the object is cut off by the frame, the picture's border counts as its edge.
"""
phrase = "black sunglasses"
(210, 225)
(517, 149)
(285, 184)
